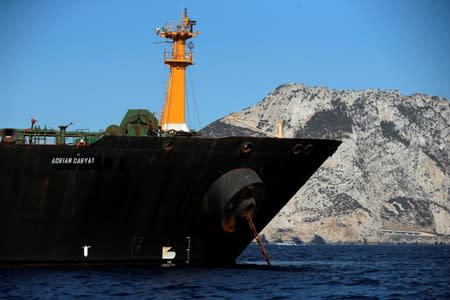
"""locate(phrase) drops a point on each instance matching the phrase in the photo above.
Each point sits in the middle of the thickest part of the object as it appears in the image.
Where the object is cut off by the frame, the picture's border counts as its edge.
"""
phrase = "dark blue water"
(297, 272)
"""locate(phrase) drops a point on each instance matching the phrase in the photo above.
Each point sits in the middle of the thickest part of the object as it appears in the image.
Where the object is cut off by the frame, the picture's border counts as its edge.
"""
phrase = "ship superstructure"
(173, 116)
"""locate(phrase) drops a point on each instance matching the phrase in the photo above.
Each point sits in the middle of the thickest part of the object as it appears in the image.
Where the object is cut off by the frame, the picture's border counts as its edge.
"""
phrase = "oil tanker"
(146, 191)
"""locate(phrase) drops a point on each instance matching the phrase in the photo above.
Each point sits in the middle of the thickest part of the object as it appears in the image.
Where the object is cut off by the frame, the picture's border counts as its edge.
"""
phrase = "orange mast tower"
(173, 116)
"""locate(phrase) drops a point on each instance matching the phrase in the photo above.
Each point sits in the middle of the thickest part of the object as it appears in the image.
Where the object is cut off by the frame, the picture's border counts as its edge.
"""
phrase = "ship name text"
(73, 160)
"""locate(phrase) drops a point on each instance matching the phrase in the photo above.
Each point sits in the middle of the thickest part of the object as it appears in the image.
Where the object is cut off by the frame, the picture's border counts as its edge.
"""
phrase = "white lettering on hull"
(168, 253)
(86, 250)
(73, 161)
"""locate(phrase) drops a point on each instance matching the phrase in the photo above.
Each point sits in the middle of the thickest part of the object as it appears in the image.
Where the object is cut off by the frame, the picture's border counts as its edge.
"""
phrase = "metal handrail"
(169, 56)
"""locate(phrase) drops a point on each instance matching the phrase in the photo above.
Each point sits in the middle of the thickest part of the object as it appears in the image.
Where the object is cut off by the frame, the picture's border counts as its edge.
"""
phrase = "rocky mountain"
(389, 181)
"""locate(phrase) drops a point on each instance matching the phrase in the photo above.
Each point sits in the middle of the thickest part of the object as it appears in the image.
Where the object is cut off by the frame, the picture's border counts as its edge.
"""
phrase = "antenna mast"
(173, 116)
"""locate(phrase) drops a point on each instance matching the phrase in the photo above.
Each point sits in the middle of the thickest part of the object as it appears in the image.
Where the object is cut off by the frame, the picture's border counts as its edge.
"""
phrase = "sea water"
(296, 272)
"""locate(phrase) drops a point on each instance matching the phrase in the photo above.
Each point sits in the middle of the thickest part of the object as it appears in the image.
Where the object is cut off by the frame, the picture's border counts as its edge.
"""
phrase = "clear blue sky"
(88, 61)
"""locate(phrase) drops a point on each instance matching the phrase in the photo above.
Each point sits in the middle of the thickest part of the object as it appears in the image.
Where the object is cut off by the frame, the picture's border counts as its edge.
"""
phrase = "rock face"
(389, 181)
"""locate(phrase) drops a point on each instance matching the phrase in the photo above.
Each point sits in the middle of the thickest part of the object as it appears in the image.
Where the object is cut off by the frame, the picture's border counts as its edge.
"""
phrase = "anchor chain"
(263, 250)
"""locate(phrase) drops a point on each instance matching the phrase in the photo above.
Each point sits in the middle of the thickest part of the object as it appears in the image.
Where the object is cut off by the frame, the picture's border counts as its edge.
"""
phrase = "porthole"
(168, 147)
(308, 149)
(246, 147)
(297, 149)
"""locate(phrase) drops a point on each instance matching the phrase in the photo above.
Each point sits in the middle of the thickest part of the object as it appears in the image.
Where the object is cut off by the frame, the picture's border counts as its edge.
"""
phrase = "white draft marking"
(86, 250)
(167, 253)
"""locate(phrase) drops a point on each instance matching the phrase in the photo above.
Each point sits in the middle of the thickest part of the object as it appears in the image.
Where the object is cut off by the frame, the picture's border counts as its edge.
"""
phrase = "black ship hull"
(146, 200)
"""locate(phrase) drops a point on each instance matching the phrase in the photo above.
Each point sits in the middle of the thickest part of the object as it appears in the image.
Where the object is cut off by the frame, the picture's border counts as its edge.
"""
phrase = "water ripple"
(299, 272)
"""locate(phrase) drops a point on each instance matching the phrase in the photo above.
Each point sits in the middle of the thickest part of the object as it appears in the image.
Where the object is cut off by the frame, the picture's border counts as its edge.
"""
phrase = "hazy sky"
(88, 61)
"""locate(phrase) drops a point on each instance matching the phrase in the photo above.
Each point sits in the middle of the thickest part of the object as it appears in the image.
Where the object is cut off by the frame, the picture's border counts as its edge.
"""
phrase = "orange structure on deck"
(173, 116)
